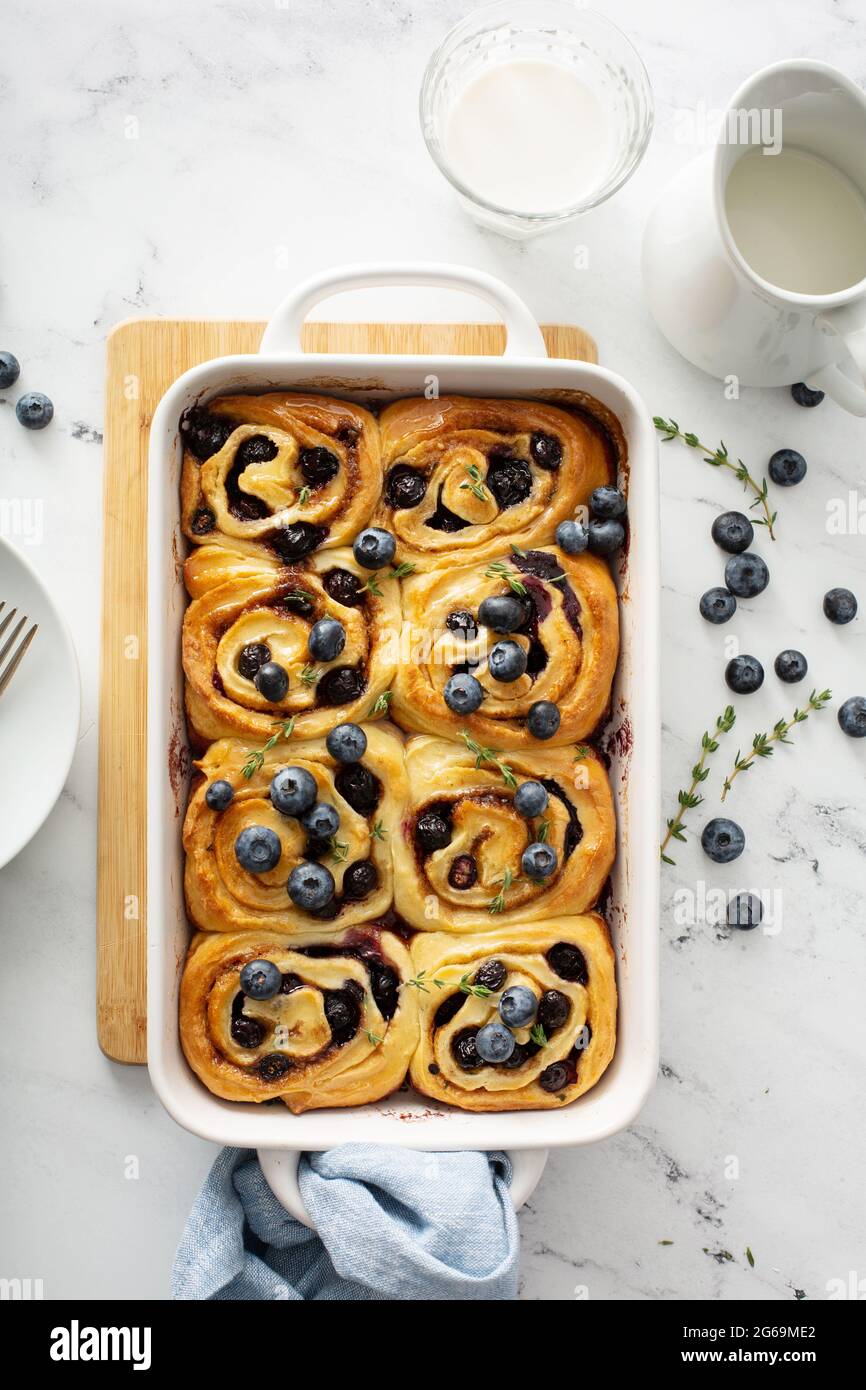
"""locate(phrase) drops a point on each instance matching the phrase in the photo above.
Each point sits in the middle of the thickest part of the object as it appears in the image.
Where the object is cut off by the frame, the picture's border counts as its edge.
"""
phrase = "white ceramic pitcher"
(708, 301)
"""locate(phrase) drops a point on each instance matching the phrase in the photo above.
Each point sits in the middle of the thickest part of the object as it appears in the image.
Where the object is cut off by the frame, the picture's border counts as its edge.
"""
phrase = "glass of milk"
(535, 111)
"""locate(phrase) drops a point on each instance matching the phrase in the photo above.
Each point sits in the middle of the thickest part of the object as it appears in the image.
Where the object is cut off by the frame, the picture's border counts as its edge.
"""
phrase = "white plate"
(39, 711)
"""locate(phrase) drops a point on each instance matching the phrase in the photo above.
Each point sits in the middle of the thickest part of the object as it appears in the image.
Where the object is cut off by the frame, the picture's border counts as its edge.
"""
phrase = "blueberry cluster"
(519, 1007)
(604, 533)
(33, 410)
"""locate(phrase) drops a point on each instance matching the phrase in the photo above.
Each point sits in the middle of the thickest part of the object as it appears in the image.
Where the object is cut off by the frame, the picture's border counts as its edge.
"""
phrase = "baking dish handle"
(280, 1167)
(523, 336)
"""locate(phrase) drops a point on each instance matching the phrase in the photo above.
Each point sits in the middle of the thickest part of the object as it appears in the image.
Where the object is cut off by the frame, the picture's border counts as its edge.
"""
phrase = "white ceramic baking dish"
(524, 370)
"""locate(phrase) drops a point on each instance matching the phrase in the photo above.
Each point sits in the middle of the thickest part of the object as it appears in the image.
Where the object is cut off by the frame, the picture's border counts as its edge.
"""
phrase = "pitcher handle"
(848, 322)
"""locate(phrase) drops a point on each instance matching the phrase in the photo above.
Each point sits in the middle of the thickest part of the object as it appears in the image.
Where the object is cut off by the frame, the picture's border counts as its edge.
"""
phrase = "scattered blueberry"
(34, 411)
(746, 575)
(271, 681)
(804, 395)
(531, 799)
(261, 979)
(518, 1006)
(787, 467)
(219, 795)
(502, 613)
(722, 840)
(607, 502)
(322, 820)
(293, 790)
(744, 674)
(840, 606)
(732, 531)
(572, 537)
(852, 717)
(606, 537)
(717, 605)
(506, 661)
(790, 666)
(374, 548)
(745, 911)
(311, 886)
(494, 1043)
(347, 743)
(463, 693)
(538, 860)
(10, 370)
(326, 640)
(543, 719)
(258, 849)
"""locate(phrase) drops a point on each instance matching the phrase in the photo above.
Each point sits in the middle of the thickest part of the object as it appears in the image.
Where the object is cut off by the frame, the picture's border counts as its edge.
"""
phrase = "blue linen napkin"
(390, 1224)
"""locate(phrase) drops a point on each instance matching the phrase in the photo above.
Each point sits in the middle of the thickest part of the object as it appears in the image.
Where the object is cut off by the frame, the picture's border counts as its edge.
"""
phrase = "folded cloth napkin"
(390, 1224)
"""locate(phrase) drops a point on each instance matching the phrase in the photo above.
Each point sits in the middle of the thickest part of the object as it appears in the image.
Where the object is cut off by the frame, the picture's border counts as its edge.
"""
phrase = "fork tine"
(7, 620)
(10, 642)
(18, 656)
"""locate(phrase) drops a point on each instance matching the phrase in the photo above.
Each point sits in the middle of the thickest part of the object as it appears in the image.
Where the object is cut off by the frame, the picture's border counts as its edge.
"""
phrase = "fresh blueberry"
(34, 411)
(732, 531)
(606, 537)
(717, 605)
(538, 860)
(261, 979)
(746, 575)
(258, 849)
(311, 886)
(506, 661)
(572, 537)
(787, 467)
(347, 743)
(10, 370)
(744, 674)
(326, 640)
(272, 681)
(374, 548)
(745, 911)
(840, 606)
(502, 613)
(852, 717)
(322, 820)
(722, 840)
(518, 1006)
(494, 1043)
(804, 395)
(531, 799)
(293, 790)
(463, 693)
(219, 795)
(543, 719)
(790, 666)
(607, 502)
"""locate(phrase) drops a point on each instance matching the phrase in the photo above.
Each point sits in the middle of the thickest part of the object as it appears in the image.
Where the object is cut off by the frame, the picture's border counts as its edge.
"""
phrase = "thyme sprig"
(499, 570)
(720, 458)
(256, 756)
(378, 832)
(373, 1038)
(762, 744)
(304, 496)
(497, 904)
(489, 755)
(423, 980)
(399, 571)
(309, 675)
(474, 483)
(538, 1035)
(339, 850)
(689, 798)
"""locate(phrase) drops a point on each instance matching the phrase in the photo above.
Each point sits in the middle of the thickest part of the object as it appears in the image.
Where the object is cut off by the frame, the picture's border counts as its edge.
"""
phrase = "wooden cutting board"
(144, 357)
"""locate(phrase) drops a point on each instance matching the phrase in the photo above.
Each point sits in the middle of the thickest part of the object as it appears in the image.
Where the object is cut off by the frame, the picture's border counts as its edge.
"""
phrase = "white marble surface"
(263, 127)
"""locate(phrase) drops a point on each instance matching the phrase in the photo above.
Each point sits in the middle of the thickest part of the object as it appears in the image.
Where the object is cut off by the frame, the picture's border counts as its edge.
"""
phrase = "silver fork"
(9, 649)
